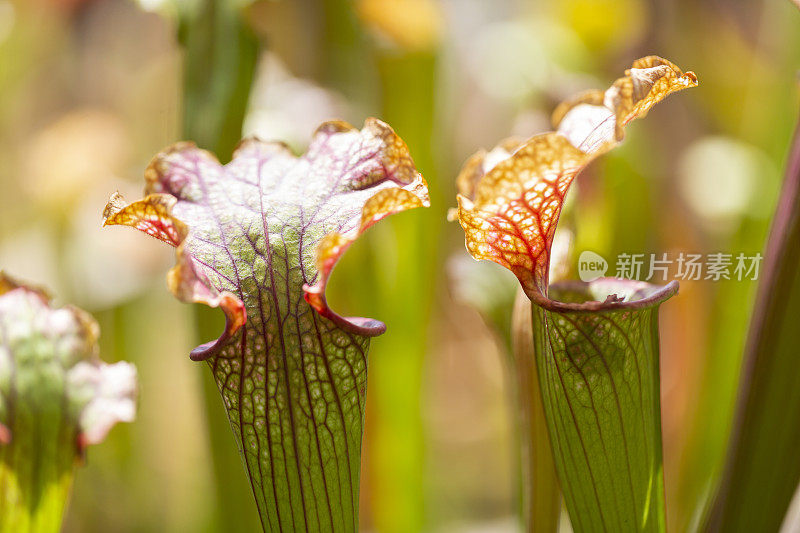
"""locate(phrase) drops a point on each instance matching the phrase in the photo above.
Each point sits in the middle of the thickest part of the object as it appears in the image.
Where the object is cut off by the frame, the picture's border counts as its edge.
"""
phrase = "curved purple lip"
(368, 327)
(659, 295)
(212, 348)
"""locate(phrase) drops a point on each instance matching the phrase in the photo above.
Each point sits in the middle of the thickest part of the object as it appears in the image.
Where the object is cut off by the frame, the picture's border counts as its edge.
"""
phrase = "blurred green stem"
(36, 471)
(220, 57)
(540, 492)
(405, 283)
(400, 283)
(763, 466)
(39, 442)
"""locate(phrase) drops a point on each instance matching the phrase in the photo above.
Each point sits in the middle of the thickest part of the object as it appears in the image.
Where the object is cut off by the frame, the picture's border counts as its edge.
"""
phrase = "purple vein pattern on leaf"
(258, 238)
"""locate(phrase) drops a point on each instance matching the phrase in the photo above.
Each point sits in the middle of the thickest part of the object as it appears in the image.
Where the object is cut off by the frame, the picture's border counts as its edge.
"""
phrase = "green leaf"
(398, 434)
(56, 397)
(599, 375)
(541, 493)
(220, 58)
(219, 63)
(596, 344)
(763, 464)
(258, 238)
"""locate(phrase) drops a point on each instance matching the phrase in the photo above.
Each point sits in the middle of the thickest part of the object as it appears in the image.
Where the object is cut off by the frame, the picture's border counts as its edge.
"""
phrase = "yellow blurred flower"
(409, 24)
(604, 24)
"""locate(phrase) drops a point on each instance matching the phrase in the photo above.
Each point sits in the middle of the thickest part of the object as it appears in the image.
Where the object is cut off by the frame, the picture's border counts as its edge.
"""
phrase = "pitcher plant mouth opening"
(510, 199)
(594, 343)
(259, 238)
(604, 294)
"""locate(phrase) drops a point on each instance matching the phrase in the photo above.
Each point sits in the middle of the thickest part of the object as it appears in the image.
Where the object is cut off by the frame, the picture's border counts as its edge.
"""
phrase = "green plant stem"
(36, 471)
(220, 57)
(599, 378)
(405, 284)
(763, 467)
(540, 493)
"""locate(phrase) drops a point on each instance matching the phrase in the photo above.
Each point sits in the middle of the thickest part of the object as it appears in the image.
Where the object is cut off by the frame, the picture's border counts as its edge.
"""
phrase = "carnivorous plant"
(258, 238)
(56, 398)
(595, 343)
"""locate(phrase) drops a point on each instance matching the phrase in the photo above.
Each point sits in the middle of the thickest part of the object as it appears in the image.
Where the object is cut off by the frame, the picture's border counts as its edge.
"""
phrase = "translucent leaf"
(596, 343)
(510, 198)
(258, 238)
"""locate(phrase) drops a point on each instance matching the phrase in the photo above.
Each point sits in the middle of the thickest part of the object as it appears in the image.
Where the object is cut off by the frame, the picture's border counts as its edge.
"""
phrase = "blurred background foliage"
(90, 90)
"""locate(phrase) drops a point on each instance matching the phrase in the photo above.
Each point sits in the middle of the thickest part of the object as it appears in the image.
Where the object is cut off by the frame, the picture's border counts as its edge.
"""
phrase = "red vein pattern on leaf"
(511, 198)
(595, 344)
(260, 237)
